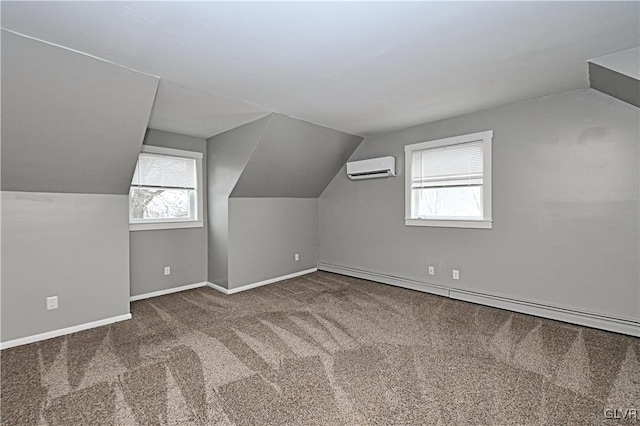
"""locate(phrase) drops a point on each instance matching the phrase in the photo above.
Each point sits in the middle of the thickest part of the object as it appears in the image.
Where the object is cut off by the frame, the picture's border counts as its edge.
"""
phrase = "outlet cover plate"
(52, 303)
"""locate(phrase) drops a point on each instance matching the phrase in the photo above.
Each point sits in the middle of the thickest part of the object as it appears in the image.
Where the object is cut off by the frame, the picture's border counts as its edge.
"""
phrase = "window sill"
(448, 223)
(164, 225)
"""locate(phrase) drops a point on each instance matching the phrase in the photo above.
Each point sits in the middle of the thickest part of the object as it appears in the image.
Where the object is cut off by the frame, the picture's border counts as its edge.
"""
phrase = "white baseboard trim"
(261, 283)
(603, 322)
(218, 287)
(167, 291)
(62, 331)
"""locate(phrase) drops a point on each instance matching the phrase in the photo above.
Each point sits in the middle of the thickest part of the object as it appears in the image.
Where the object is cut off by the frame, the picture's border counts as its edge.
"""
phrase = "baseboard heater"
(587, 319)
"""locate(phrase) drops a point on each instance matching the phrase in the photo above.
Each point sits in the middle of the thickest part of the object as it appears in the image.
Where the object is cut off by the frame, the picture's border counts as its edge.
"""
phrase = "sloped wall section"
(268, 175)
(227, 156)
(70, 122)
(617, 75)
(294, 159)
(72, 127)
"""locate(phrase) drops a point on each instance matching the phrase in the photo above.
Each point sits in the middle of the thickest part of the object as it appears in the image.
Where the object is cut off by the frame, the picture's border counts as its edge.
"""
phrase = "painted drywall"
(358, 66)
(70, 122)
(294, 159)
(615, 84)
(266, 233)
(175, 140)
(227, 156)
(565, 208)
(74, 246)
(272, 161)
(72, 130)
(184, 250)
(626, 62)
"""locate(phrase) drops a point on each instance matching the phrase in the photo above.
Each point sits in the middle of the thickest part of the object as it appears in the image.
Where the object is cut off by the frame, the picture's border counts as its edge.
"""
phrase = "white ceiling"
(361, 67)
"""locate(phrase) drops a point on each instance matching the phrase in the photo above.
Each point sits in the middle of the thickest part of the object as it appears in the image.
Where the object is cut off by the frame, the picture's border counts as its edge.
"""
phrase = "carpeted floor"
(321, 349)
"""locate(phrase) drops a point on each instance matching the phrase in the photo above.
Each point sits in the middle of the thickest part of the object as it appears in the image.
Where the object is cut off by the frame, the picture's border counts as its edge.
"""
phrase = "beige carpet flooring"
(322, 349)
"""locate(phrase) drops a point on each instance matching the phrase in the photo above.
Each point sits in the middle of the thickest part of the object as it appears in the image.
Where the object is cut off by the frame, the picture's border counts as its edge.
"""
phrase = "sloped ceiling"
(360, 67)
(228, 154)
(617, 75)
(70, 122)
(294, 159)
(626, 62)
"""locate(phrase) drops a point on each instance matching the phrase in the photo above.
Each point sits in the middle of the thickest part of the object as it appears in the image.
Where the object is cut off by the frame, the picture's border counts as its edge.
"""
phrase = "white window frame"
(485, 222)
(149, 225)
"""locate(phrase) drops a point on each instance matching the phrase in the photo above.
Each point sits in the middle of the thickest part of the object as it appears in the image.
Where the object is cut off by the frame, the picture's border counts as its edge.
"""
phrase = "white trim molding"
(165, 225)
(484, 222)
(167, 291)
(221, 289)
(218, 287)
(457, 223)
(197, 201)
(62, 331)
(587, 319)
(152, 149)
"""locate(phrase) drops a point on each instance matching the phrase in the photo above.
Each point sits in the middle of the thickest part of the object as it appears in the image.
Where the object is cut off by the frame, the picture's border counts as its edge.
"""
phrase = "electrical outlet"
(167, 270)
(432, 270)
(52, 303)
(456, 274)
(296, 257)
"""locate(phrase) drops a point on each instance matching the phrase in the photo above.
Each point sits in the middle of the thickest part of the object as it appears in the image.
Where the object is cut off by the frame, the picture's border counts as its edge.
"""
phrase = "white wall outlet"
(432, 270)
(456, 274)
(167, 270)
(52, 303)
(296, 257)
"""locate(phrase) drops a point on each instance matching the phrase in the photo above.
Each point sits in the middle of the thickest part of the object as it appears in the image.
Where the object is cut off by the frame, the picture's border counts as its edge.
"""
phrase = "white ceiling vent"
(371, 168)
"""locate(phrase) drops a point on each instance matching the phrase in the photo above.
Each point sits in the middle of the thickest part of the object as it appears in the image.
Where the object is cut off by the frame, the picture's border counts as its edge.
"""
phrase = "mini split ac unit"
(372, 168)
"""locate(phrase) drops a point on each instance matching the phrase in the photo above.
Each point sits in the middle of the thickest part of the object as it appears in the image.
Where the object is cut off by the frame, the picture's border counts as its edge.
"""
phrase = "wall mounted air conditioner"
(372, 168)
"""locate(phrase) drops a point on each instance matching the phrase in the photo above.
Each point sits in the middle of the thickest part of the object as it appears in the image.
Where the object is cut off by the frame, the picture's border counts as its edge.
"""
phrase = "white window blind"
(161, 171)
(164, 188)
(448, 166)
(448, 182)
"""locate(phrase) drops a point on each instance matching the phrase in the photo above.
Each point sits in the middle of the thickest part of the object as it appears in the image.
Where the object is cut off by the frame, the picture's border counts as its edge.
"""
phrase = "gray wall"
(294, 159)
(615, 84)
(72, 127)
(70, 122)
(227, 156)
(264, 180)
(565, 208)
(184, 250)
(265, 235)
(74, 246)
(625, 62)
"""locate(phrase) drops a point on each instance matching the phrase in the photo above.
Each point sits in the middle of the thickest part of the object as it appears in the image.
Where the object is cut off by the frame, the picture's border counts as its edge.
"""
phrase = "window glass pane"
(161, 203)
(165, 171)
(463, 201)
(446, 181)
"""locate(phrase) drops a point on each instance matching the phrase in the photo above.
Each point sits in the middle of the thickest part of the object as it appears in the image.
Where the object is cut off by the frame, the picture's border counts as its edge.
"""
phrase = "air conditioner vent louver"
(371, 168)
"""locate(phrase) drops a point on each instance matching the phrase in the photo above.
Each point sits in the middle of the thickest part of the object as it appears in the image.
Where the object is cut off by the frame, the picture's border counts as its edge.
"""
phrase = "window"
(448, 182)
(166, 190)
